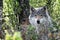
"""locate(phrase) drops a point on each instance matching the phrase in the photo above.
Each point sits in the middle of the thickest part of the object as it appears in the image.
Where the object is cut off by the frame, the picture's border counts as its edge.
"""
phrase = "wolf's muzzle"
(38, 22)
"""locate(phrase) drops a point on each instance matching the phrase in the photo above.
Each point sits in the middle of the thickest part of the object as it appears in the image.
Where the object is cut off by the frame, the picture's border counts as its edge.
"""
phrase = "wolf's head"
(39, 16)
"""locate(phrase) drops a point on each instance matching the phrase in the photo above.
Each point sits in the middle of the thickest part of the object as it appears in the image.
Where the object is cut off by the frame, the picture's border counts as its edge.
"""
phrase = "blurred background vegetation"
(12, 10)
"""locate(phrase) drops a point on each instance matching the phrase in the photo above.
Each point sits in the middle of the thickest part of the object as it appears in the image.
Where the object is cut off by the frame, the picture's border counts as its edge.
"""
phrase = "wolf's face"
(38, 16)
(40, 19)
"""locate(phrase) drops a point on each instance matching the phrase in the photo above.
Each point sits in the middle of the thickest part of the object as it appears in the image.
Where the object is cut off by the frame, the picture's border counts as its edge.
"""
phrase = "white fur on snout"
(32, 21)
(43, 20)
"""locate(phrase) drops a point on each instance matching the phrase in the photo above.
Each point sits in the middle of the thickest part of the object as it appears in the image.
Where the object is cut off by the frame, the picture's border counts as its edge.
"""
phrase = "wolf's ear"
(44, 8)
(32, 10)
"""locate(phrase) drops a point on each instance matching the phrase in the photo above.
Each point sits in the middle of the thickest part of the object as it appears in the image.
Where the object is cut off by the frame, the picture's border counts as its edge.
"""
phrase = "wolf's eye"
(40, 15)
(35, 15)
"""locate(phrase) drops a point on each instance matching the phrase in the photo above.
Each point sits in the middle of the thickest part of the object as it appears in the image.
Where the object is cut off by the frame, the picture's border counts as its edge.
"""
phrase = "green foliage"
(31, 34)
(55, 14)
(37, 3)
(10, 9)
(8, 36)
(15, 36)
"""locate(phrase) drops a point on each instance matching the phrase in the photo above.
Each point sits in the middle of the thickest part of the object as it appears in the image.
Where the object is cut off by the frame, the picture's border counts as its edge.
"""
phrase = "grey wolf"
(40, 19)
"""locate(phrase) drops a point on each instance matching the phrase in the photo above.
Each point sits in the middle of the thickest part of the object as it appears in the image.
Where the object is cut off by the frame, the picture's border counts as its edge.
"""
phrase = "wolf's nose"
(38, 22)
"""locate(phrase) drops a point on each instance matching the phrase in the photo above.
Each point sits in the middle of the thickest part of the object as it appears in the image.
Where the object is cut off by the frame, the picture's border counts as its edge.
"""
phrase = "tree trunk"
(23, 16)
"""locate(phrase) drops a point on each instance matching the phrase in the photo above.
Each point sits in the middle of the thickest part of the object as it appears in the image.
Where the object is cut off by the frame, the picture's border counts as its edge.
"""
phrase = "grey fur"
(45, 21)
